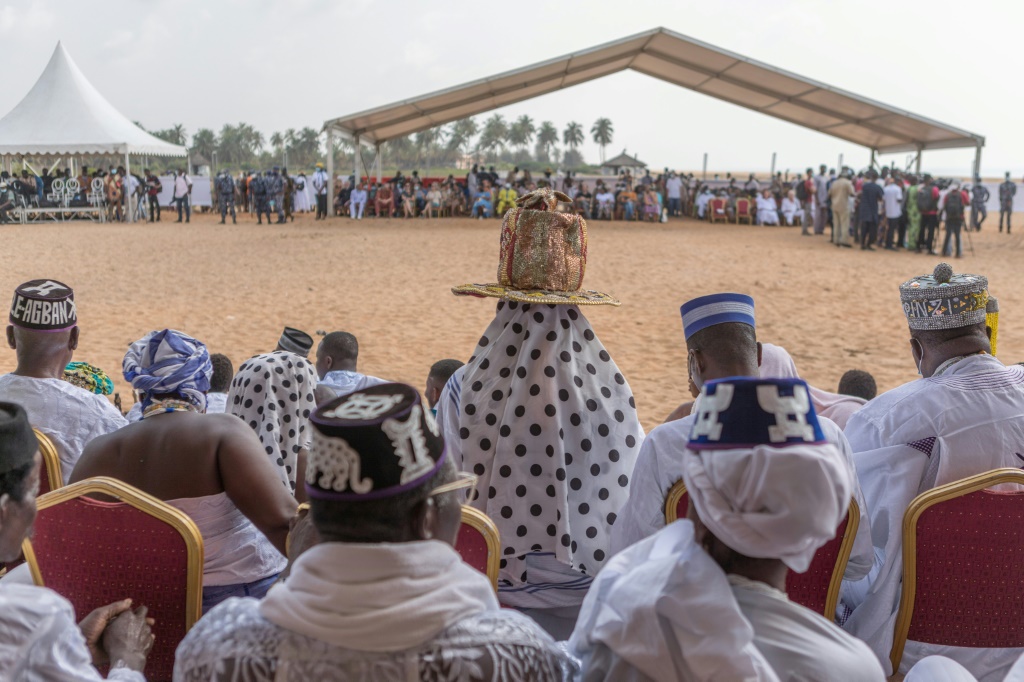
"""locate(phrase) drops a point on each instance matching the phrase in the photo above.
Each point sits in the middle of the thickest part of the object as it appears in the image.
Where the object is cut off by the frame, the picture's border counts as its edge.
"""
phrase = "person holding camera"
(153, 189)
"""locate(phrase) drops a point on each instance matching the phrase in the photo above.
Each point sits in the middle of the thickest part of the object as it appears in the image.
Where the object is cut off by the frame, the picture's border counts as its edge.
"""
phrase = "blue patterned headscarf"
(169, 362)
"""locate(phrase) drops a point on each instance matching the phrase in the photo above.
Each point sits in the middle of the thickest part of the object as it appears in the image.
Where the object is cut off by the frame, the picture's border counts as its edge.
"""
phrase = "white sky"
(291, 64)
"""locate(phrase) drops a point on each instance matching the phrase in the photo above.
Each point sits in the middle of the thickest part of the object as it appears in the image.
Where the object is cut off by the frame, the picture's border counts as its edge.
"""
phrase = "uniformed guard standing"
(1006, 192)
(225, 186)
(260, 196)
(275, 193)
(289, 195)
(979, 197)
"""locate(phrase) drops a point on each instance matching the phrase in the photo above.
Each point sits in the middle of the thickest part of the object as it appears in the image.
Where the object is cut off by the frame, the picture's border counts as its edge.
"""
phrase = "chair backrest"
(479, 544)
(963, 566)
(94, 553)
(743, 206)
(51, 476)
(818, 587)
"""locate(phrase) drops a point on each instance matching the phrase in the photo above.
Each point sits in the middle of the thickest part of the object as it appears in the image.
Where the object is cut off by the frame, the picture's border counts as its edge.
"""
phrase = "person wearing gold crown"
(543, 416)
(964, 416)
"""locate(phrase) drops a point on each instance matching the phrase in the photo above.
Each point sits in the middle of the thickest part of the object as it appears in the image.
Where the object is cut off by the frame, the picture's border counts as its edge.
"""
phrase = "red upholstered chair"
(479, 544)
(716, 211)
(818, 587)
(94, 552)
(50, 473)
(963, 566)
(744, 211)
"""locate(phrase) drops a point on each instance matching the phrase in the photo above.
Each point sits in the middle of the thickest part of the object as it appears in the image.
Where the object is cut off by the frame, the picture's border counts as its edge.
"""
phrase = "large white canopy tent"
(64, 115)
(682, 61)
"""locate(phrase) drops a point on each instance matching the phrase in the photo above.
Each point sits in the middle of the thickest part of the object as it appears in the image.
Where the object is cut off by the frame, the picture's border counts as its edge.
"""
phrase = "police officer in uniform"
(289, 195)
(225, 186)
(260, 196)
(275, 193)
(979, 197)
(1006, 192)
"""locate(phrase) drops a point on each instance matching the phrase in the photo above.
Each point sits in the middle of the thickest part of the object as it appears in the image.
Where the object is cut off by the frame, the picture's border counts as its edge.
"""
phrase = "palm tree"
(204, 142)
(494, 134)
(178, 134)
(277, 142)
(460, 134)
(520, 133)
(602, 132)
(427, 142)
(547, 138)
(572, 137)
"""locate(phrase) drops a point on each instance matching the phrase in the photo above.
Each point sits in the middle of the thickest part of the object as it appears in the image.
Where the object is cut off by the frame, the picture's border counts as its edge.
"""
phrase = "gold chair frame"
(749, 217)
(482, 523)
(148, 504)
(51, 460)
(677, 491)
(917, 507)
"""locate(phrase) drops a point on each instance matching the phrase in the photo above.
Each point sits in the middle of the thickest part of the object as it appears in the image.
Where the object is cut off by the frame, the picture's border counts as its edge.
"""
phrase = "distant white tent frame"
(682, 61)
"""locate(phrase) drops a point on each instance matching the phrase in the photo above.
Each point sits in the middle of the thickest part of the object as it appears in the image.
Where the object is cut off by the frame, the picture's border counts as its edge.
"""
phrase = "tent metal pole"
(872, 164)
(355, 162)
(771, 174)
(126, 186)
(917, 162)
(330, 171)
(977, 163)
(378, 162)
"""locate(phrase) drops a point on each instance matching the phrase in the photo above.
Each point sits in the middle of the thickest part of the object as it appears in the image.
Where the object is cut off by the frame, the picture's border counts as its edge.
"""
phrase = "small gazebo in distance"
(623, 163)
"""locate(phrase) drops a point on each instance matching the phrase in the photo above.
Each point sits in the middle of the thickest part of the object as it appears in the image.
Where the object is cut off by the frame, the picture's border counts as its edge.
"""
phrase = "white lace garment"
(234, 643)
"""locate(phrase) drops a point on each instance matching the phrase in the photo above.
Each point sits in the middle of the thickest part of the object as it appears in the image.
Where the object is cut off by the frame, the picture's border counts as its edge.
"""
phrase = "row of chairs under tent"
(67, 200)
(101, 527)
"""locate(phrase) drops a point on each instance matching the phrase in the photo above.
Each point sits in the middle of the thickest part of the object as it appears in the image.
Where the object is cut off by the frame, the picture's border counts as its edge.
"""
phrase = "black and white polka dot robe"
(544, 417)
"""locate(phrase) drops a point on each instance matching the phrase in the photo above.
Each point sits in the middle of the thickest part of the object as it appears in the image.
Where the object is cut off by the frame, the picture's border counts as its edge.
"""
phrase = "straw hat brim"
(581, 297)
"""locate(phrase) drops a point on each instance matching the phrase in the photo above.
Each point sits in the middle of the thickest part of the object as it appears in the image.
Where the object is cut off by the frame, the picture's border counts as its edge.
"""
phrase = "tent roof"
(684, 62)
(64, 114)
(624, 159)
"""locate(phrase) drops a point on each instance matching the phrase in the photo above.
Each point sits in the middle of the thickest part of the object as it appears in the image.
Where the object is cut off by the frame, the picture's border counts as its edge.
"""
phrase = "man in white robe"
(767, 210)
(720, 335)
(39, 638)
(703, 199)
(337, 357)
(704, 597)
(964, 417)
(382, 595)
(43, 331)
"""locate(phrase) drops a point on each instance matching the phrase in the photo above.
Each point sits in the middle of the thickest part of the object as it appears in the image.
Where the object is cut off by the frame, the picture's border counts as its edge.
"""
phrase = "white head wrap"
(770, 502)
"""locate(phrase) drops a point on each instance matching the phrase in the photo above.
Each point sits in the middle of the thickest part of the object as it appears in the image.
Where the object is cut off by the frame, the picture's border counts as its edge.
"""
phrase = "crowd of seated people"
(329, 501)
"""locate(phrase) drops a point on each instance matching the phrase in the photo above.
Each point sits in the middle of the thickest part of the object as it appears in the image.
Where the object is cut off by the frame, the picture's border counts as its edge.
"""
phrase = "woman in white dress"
(791, 207)
(767, 211)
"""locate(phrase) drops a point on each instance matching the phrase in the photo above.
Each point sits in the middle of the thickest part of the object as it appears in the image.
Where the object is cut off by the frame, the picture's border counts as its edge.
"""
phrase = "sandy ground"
(387, 281)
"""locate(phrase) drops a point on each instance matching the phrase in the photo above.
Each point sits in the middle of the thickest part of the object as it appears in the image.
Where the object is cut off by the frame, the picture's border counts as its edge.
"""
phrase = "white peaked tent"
(63, 114)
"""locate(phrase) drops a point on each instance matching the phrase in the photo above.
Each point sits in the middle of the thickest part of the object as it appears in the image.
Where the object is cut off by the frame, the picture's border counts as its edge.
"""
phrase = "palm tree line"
(495, 140)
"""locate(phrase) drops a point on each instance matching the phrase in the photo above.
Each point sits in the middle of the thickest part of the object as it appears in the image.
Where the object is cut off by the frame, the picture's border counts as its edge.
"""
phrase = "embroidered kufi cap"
(944, 299)
(18, 443)
(742, 413)
(44, 305)
(377, 442)
(295, 341)
(707, 311)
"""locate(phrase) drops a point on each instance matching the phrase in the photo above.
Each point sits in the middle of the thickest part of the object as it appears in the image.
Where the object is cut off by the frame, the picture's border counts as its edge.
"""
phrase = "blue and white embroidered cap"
(707, 311)
(741, 412)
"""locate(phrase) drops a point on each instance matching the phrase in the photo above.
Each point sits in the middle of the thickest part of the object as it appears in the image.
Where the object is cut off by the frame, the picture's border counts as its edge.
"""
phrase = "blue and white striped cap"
(707, 311)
